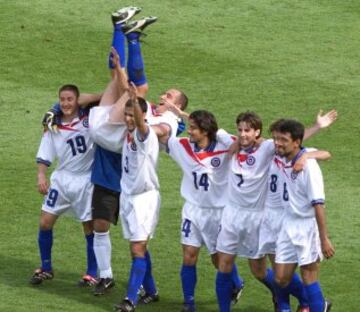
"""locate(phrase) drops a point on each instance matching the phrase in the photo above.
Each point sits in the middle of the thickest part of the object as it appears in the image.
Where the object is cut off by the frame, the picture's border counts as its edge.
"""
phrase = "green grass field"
(285, 58)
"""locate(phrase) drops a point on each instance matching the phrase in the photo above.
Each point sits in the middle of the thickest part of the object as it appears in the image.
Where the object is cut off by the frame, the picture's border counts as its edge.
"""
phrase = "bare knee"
(190, 255)
(310, 273)
(101, 225)
(88, 227)
(138, 249)
(225, 262)
(258, 268)
(47, 221)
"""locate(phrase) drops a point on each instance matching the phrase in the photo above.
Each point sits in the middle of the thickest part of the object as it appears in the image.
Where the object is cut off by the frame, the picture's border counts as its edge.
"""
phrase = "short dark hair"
(183, 100)
(142, 103)
(252, 119)
(276, 124)
(295, 128)
(70, 87)
(206, 122)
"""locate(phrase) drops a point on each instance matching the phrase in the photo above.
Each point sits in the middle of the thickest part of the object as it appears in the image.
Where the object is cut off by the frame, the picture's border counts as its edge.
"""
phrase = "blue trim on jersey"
(319, 201)
(209, 148)
(43, 161)
(298, 155)
(106, 171)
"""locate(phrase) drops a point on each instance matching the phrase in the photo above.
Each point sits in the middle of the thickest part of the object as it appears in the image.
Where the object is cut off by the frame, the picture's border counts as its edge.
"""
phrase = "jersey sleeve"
(225, 138)
(314, 183)
(148, 142)
(46, 153)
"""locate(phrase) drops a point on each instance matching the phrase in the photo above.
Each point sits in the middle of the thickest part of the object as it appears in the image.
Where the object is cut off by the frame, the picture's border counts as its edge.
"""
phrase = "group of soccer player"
(244, 195)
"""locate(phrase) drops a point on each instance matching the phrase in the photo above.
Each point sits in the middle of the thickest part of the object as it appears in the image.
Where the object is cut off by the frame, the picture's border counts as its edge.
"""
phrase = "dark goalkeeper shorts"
(105, 204)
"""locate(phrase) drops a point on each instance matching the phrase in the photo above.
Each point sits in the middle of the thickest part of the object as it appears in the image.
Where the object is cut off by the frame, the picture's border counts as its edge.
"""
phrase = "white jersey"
(204, 181)
(168, 118)
(305, 188)
(248, 176)
(139, 161)
(72, 146)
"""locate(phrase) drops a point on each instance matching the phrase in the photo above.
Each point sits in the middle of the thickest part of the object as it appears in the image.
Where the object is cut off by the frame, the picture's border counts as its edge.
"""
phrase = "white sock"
(102, 249)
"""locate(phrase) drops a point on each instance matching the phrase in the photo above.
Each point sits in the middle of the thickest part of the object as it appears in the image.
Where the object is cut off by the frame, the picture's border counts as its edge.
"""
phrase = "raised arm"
(141, 126)
(119, 72)
(322, 121)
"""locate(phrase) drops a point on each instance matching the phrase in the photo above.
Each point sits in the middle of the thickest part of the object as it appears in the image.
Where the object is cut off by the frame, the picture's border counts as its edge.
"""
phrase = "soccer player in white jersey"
(274, 211)
(70, 188)
(140, 198)
(303, 239)
(204, 160)
(243, 214)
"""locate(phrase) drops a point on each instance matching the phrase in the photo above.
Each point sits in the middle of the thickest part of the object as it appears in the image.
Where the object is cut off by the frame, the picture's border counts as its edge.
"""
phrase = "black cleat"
(103, 285)
(327, 305)
(123, 15)
(147, 298)
(236, 294)
(138, 26)
(40, 275)
(188, 308)
(88, 281)
(125, 306)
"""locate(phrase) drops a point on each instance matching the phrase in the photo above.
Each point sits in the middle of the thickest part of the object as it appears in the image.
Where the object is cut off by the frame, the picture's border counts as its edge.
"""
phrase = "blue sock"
(45, 241)
(224, 290)
(268, 281)
(188, 281)
(149, 283)
(315, 297)
(90, 256)
(282, 298)
(236, 278)
(136, 278)
(135, 65)
(297, 289)
(119, 44)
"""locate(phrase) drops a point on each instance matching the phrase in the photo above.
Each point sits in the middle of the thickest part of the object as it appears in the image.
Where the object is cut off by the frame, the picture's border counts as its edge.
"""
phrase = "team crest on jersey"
(294, 175)
(250, 160)
(85, 122)
(133, 146)
(215, 162)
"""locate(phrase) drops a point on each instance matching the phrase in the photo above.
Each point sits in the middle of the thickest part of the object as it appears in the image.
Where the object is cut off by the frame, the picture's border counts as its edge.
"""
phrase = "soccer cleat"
(41, 275)
(147, 298)
(88, 281)
(138, 26)
(327, 305)
(188, 308)
(303, 309)
(236, 294)
(103, 285)
(123, 15)
(125, 306)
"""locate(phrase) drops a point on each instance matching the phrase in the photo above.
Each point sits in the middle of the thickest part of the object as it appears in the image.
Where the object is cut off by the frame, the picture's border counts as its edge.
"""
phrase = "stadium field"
(286, 58)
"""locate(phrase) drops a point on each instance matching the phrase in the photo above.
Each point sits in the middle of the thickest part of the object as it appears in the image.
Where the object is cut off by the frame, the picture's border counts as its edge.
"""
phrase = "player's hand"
(234, 148)
(325, 120)
(49, 121)
(300, 163)
(43, 184)
(327, 248)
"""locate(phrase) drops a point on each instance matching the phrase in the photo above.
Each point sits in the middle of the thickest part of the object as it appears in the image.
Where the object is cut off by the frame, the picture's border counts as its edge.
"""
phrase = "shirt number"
(77, 145)
(202, 181)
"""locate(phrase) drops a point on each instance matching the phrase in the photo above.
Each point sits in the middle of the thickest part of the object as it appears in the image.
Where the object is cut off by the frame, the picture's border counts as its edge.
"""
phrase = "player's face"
(169, 96)
(129, 118)
(69, 103)
(285, 146)
(247, 135)
(196, 135)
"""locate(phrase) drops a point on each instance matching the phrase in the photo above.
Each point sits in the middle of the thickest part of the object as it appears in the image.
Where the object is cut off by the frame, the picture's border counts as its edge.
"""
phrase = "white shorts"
(239, 232)
(200, 226)
(106, 134)
(269, 230)
(139, 215)
(298, 241)
(70, 193)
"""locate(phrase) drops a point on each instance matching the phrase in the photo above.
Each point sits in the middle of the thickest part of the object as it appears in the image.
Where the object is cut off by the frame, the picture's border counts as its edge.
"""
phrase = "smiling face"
(196, 135)
(129, 118)
(69, 104)
(170, 96)
(285, 146)
(247, 136)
